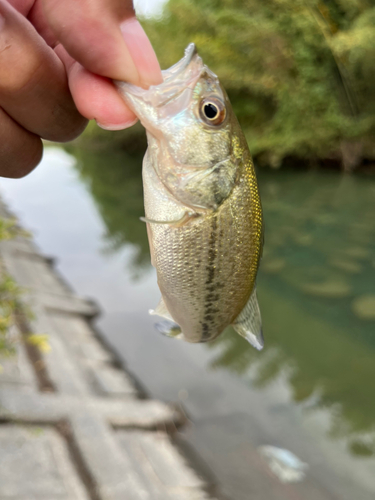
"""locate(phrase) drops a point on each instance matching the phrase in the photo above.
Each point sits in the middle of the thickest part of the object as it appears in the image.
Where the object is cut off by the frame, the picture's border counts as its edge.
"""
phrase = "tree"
(299, 73)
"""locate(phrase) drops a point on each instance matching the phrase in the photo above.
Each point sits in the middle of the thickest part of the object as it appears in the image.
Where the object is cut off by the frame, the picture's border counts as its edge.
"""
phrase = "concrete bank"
(73, 424)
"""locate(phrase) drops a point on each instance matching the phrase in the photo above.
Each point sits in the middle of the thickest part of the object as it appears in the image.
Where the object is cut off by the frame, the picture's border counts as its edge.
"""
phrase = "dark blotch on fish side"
(212, 297)
(205, 332)
(210, 268)
(219, 198)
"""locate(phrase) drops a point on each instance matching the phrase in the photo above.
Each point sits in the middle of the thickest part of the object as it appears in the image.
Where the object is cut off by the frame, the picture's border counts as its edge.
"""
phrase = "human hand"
(57, 59)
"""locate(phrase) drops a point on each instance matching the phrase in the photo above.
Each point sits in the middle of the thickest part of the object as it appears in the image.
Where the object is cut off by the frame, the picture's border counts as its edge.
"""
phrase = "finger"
(20, 150)
(23, 6)
(32, 9)
(96, 97)
(90, 30)
(38, 19)
(33, 83)
(142, 52)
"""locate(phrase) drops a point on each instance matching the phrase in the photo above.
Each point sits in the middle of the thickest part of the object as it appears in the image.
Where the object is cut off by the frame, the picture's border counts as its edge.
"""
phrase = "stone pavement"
(73, 425)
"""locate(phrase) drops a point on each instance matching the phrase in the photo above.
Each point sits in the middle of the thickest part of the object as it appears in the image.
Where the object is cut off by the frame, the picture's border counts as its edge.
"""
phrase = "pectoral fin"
(249, 322)
(173, 223)
(151, 245)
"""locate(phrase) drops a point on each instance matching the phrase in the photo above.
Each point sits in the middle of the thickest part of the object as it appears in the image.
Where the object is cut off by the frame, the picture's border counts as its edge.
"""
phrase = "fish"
(202, 204)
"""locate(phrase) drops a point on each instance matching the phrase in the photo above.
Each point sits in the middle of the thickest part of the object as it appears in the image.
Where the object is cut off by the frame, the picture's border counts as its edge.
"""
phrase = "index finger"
(105, 37)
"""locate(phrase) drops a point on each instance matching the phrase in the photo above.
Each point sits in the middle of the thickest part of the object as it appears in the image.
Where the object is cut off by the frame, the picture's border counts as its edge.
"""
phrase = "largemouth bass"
(202, 204)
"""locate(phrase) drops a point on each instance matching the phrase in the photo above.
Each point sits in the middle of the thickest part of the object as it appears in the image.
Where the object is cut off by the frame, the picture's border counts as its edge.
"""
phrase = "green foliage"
(9, 294)
(299, 72)
(9, 229)
(10, 306)
(320, 230)
(40, 341)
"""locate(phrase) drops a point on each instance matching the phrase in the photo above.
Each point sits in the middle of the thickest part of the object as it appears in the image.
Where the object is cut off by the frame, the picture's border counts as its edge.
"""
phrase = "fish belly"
(206, 268)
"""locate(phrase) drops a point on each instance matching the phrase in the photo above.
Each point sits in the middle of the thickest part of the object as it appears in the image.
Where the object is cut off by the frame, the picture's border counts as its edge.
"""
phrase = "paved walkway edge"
(73, 424)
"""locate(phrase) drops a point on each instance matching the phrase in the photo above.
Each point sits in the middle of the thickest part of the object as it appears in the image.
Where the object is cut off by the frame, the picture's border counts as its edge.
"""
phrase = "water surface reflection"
(316, 286)
(115, 182)
(309, 391)
(317, 293)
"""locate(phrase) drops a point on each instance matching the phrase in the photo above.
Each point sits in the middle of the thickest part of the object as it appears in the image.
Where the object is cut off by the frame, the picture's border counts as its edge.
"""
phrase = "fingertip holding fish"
(117, 126)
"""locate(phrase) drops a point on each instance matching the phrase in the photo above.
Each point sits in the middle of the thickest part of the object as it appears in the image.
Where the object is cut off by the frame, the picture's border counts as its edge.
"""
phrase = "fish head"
(190, 127)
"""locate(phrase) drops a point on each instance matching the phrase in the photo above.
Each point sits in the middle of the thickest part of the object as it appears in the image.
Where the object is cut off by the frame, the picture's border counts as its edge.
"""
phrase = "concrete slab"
(79, 336)
(38, 407)
(19, 244)
(35, 465)
(111, 381)
(15, 371)
(93, 399)
(65, 372)
(161, 465)
(31, 270)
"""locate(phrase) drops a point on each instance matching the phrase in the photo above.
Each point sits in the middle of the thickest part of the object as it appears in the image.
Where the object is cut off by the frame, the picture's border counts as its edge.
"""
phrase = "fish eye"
(212, 111)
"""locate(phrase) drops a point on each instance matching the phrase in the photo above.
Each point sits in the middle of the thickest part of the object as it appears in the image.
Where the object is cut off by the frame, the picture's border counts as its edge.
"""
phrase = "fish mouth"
(177, 78)
(179, 68)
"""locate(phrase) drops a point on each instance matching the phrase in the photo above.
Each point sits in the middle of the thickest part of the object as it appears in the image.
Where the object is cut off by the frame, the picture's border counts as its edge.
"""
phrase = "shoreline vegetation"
(299, 74)
(10, 294)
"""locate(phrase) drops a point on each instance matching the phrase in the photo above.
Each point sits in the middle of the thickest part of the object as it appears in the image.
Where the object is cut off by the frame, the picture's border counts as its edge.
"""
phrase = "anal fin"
(161, 310)
(249, 322)
(168, 327)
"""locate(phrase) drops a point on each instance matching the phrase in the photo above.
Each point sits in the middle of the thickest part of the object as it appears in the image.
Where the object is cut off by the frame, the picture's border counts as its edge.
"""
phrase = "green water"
(317, 294)
(316, 286)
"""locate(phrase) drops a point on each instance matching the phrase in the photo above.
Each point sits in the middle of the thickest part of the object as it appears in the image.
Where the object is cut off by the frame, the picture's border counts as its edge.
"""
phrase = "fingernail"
(142, 52)
(117, 126)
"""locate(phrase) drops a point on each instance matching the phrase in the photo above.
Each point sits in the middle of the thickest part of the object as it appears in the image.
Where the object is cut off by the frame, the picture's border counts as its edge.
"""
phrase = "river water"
(311, 390)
